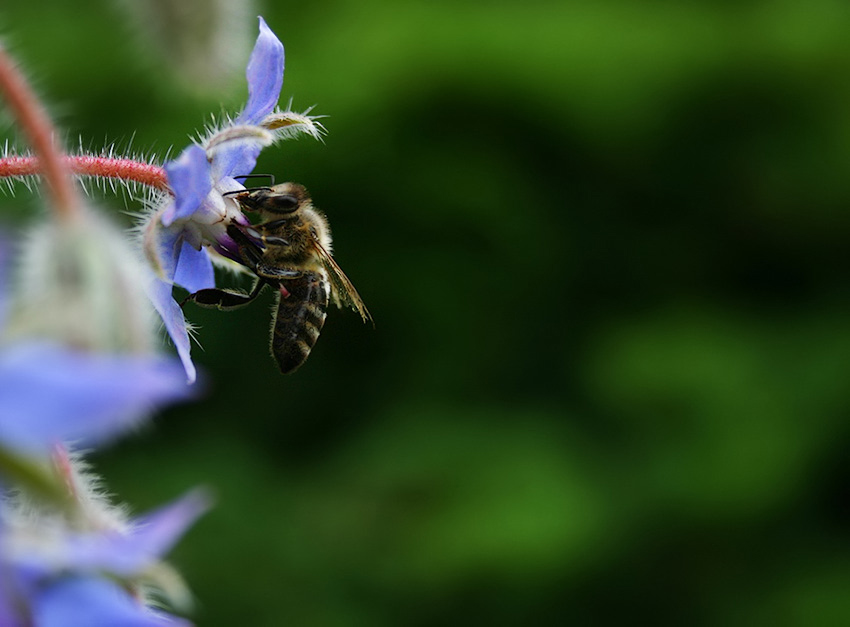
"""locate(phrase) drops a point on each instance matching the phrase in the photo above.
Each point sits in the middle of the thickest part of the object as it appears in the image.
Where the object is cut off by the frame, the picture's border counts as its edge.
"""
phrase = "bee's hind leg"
(224, 299)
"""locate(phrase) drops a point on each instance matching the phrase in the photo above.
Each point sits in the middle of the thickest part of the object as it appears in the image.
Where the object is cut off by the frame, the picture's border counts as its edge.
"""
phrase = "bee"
(294, 258)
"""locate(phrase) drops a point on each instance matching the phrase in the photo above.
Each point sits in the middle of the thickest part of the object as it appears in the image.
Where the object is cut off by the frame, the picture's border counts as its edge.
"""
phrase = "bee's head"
(281, 199)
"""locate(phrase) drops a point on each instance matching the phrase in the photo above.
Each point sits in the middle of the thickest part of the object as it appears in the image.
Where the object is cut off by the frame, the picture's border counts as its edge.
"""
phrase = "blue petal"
(155, 533)
(238, 159)
(159, 292)
(194, 269)
(129, 554)
(189, 178)
(5, 257)
(265, 77)
(91, 602)
(50, 393)
(167, 244)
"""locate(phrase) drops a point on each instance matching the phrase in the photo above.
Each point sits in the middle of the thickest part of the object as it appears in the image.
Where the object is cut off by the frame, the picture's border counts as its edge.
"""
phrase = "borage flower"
(51, 393)
(56, 574)
(184, 227)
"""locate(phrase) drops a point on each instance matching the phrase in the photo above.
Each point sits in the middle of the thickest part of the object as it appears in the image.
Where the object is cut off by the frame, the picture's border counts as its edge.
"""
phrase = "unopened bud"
(80, 283)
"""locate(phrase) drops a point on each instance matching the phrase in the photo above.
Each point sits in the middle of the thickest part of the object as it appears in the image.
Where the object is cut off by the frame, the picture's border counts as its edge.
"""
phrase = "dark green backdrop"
(605, 247)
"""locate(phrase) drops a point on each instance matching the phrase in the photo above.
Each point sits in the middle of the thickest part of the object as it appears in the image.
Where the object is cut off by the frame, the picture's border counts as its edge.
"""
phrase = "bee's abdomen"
(299, 320)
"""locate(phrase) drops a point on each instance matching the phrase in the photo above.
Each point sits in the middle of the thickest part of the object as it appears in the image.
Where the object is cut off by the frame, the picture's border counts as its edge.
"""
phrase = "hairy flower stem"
(64, 465)
(102, 167)
(33, 119)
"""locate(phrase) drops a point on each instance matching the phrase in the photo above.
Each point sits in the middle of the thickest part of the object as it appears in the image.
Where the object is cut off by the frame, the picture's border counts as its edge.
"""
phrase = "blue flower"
(50, 394)
(69, 558)
(57, 575)
(89, 601)
(198, 215)
(54, 390)
(77, 365)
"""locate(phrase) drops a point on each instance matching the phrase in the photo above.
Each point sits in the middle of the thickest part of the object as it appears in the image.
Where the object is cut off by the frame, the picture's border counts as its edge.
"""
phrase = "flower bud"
(81, 283)
(202, 41)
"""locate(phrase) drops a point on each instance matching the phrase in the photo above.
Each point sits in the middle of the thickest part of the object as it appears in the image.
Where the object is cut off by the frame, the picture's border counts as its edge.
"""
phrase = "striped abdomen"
(299, 320)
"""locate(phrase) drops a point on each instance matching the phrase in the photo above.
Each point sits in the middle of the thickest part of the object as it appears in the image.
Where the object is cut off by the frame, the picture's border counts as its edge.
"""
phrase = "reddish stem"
(32, 118)
(106, 167)
(62, 461)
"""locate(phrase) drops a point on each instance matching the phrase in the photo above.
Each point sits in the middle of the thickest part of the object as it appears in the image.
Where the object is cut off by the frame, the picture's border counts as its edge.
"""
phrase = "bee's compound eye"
(284, 202)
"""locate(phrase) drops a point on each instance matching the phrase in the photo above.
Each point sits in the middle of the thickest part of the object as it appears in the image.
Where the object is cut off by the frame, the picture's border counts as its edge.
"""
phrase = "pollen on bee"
(284, 293)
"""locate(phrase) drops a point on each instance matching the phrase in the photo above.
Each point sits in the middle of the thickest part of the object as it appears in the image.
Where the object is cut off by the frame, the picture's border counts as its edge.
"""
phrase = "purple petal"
(129, 554)
(159, 292)
(9, 614)
(265, 77)
(194, 269)
(87, 602)
(228, 248)
(50, 393)
(189, 178)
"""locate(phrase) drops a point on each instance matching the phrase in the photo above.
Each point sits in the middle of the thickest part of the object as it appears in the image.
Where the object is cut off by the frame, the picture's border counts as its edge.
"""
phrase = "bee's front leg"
(224, 299)
(250, 252)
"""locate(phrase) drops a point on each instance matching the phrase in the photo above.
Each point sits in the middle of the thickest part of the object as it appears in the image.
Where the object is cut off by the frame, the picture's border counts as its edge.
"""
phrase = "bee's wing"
(342, 292)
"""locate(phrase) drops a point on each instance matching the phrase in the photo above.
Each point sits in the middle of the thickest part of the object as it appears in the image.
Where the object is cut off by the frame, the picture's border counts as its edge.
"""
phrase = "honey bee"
(294, 259)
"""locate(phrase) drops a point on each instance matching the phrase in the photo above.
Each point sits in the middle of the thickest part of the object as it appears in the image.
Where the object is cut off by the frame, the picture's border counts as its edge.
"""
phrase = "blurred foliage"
(605, 246)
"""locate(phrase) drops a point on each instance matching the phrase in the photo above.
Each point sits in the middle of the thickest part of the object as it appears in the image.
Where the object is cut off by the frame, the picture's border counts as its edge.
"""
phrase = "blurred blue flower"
(50, 394)
(90, 601)
(61, 576)
(77, 366)
(52, 548)
(200, 211)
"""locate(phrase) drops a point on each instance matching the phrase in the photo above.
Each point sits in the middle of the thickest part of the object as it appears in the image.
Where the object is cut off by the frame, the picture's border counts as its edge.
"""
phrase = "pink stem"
(33, 119)
(62, 461)
(106, 167)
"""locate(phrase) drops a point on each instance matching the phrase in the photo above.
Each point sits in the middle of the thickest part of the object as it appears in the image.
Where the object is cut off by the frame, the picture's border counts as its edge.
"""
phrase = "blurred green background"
(605, 247)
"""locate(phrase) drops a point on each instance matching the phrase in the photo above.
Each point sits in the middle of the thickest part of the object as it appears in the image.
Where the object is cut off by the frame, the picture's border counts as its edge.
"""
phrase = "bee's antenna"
(256, 176)
(247, 190)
